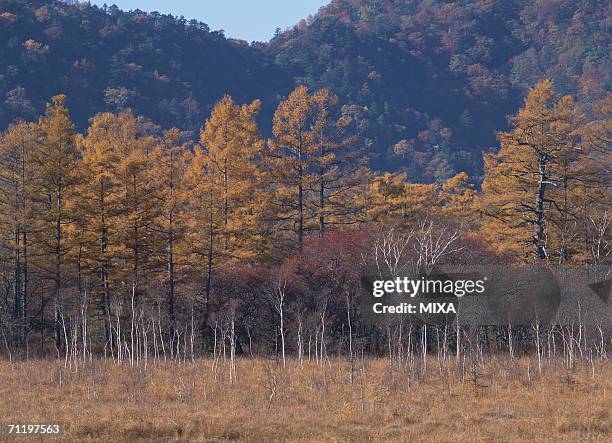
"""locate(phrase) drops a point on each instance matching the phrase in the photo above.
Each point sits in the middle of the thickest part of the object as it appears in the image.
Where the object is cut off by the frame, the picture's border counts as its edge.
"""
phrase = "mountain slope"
(429, 82)
(170, 70)
(443, 75)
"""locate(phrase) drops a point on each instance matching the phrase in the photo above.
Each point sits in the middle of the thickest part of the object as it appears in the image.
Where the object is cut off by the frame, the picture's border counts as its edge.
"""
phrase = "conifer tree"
(339, 168)
(17, 212)
(227, 199)
(391, 198)
(457, 198)
(139, 205)
(57, 167)
(101, 201)
(593, 193)
(205, 223)
(232, 147)
(520, 189)
(290, 162)
(172, 188)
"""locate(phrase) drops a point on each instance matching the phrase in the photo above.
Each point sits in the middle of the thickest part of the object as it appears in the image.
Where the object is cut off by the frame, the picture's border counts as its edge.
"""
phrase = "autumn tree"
(172, 191)
(17, 211)
(458, 200)
(290, 161)
(205, 224)
(102, 201)
(339, 169)
(392, 198)
(233, 149)
(57, 175)
(139, 207)
(315, 171)
(592, 194)
(227, 198)
(521, 189)
(118, 209)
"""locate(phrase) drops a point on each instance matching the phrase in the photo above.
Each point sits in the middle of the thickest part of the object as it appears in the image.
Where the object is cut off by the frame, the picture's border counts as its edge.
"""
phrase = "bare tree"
(276, 295)
(431, 243)
(389, 251)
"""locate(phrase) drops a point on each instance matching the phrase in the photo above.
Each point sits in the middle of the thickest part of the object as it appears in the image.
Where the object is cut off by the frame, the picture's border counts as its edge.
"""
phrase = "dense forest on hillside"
(165, 68)
(428, 83)
(440, 77)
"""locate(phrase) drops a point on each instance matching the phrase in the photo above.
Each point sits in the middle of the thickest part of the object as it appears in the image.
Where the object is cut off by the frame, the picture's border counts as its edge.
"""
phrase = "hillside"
(442, 76)
(168, 69)
(429, 82)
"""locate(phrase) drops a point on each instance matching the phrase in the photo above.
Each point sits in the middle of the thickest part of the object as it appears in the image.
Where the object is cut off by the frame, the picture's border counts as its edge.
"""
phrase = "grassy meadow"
(497, 400)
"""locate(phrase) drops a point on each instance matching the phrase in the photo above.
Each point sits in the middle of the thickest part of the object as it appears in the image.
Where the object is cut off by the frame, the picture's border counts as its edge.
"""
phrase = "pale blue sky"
(246, 19)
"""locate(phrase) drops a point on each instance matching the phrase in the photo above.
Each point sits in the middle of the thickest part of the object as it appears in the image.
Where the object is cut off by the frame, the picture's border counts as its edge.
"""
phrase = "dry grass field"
(501, 400)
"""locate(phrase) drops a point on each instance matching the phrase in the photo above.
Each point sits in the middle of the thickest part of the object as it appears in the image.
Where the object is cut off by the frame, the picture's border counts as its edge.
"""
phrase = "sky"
(251, 20)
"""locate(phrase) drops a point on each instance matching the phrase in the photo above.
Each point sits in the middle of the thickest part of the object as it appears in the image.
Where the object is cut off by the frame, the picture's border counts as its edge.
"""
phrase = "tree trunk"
(301, 209)
(24, 288)
(170, 295)
(209, 275)
(322, 208)
(225, 206)
(17, 287)
(321, 189)
(300, 196)
(539, 235)
(104, 273)
(58, 282)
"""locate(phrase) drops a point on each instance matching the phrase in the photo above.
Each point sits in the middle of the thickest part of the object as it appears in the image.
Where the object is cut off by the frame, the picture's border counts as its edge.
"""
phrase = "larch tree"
(233, 149)
(391, 198)
(139, 208)
(227, 200)
(170, 179)
(101, 202)
(205, 225)
(458, 200)
(521, 186)
(57, 177)
(592, 194)
(339, 168)
(290, 162)
(17, 211)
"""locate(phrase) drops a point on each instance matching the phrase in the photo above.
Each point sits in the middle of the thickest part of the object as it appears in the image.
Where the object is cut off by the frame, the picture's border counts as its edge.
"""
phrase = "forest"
(127, 230)
(193, 227)
(211, 290)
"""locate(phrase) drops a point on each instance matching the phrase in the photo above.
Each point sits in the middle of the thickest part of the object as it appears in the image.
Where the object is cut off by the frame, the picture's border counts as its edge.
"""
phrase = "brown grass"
(186, 402)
